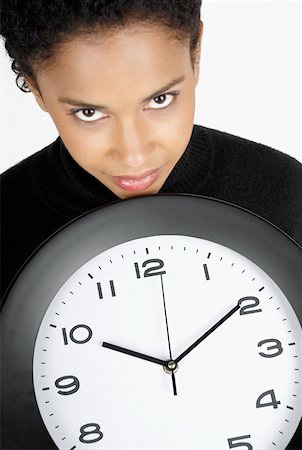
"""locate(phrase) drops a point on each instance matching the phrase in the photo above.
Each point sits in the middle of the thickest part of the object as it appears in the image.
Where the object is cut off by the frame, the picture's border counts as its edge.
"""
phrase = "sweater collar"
(71, 191)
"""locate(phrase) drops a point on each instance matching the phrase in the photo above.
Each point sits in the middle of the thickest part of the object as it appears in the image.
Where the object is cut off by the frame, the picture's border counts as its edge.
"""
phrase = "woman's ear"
(36, 91)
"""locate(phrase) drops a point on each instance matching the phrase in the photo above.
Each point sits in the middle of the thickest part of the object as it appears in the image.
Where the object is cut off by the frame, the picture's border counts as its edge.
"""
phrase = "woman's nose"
(133, 145)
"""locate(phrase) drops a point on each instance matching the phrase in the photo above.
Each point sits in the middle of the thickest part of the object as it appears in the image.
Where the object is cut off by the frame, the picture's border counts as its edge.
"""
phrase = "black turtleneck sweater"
(48, 189)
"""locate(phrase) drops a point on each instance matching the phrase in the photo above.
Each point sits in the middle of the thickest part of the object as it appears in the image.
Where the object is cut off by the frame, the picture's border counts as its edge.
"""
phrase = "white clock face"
(239, 387)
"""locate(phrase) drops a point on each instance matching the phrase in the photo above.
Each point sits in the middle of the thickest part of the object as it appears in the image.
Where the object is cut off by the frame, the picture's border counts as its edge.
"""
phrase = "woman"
(118, 80)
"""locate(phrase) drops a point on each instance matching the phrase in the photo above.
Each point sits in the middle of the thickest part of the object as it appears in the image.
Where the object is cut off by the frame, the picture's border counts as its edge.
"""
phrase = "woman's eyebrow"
(81, 103)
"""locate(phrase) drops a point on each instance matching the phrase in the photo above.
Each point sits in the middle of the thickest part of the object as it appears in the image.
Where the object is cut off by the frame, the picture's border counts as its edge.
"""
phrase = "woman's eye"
(87, 114)
(161, 101)
(92, 115)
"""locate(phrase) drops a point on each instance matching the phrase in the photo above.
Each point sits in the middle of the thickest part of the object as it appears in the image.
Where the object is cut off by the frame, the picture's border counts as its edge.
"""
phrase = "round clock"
(158, 322)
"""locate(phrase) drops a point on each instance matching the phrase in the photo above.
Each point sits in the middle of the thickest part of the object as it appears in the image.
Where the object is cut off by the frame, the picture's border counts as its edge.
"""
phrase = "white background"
(250, 81)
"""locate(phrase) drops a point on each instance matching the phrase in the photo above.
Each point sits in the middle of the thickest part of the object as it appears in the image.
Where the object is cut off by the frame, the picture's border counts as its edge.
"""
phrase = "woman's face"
(110, 101)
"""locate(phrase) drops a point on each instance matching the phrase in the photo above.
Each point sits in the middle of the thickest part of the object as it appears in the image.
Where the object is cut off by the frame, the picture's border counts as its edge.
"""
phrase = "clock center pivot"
(170, 367)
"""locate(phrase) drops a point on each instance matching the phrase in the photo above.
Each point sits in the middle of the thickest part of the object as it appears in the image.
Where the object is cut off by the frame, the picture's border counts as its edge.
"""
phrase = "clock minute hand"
(207, 333)
(133, 353)
(168, 336)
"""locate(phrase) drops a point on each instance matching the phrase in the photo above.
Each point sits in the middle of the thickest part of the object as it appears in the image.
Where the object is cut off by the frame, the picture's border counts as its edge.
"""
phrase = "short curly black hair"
(34, 29)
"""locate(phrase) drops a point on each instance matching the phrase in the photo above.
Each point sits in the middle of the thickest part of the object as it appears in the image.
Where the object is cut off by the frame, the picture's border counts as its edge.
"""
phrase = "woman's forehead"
(122, 58)
(142, 39)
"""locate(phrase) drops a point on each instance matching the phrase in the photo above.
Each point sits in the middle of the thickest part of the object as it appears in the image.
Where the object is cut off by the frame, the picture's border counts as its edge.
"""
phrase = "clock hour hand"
(133, 353)
(207, 333)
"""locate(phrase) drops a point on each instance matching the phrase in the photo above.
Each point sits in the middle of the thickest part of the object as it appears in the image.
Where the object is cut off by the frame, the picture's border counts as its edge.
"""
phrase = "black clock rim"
(235, 227)
(115, 202)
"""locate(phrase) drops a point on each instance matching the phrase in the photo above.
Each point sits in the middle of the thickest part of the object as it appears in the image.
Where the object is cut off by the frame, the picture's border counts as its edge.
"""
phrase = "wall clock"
(158, 322)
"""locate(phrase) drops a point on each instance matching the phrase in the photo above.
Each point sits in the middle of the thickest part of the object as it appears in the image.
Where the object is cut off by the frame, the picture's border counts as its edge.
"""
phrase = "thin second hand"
(167, 327)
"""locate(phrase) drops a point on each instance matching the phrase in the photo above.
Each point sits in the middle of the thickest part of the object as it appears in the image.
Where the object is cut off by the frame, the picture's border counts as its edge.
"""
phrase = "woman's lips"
(137, 183)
